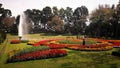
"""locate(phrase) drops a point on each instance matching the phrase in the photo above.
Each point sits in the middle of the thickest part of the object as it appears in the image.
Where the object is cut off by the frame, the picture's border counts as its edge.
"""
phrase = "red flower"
(41, 54)
(15, 41)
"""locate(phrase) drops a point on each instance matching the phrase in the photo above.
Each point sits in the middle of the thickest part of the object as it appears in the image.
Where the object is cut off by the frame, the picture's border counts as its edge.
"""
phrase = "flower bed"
(38, 55)
(27, 50)
(116, 43)
(15, 41)
(97, 47)
(31, 42)
(42, 42)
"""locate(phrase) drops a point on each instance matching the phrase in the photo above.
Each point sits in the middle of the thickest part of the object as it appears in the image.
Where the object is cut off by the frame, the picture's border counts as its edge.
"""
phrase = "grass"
(74, 59)
(1, 46)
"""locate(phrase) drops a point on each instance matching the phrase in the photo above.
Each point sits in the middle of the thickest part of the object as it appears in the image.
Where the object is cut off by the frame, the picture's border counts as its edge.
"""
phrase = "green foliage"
(31, 49)
(56, 25)
(91, 42)
(105, 22)
(5, 20)
(2, 36)
(69, 42)
(80, 17)
(24, 41)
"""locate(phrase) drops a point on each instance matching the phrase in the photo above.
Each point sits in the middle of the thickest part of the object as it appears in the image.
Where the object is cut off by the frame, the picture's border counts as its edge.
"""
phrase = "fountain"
(23, 26)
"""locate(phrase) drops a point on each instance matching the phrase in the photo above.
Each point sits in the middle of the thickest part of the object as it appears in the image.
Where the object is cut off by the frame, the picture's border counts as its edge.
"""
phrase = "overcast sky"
(18, 6)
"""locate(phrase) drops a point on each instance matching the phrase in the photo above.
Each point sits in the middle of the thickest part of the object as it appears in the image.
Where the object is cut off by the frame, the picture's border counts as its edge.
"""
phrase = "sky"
(18, 6)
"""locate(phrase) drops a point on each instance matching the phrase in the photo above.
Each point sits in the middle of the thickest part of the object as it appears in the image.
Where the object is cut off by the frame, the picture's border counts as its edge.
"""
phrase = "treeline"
(104, 21)
(5, 22)
(57, 20)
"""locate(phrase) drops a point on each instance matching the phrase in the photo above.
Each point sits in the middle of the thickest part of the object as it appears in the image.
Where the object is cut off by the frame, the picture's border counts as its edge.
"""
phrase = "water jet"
(23, 27)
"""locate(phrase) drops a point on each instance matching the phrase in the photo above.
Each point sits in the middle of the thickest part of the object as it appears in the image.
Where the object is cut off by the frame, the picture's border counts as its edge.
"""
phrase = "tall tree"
(46, 15)
(116, 21)
(34, 16)
(5, 19)
(62, 13)
(100, 21)
(55, 11)
(79, 17)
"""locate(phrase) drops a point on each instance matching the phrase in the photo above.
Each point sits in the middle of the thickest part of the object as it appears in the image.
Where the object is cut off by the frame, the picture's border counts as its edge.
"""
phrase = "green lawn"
(74, 59)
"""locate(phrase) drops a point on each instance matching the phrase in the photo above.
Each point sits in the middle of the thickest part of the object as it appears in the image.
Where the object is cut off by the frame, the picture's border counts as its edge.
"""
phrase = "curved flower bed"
(97, 47)
(38, 55)
(116, 43)
(104, 45)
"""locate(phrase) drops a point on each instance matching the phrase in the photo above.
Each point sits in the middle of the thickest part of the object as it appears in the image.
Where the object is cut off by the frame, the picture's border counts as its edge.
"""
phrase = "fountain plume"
(23, 26)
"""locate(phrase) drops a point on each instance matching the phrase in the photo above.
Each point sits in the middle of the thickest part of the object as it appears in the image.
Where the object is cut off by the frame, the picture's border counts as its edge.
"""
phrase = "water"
(23, 26)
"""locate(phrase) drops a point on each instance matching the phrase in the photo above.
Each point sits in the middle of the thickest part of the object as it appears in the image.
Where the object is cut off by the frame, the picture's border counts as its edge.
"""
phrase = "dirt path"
(3, 49)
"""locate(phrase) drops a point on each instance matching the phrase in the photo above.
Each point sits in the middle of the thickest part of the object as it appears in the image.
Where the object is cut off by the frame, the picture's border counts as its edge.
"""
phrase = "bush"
(115, 53)
(24, 41)
(2, 36)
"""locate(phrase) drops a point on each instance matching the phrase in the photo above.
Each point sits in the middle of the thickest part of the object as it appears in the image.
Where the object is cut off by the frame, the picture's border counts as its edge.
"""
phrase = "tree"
(100, 21)
(79, 18)
(62, 13)
(55, 11)
(5, 18)
(46, 15)
(8, 23)
(115, 21)
(69, 14)
(34, 16)
(56, 25)
(3, 14)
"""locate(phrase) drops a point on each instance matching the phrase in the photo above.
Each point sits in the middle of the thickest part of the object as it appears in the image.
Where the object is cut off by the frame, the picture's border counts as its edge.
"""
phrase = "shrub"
(24, 41)
(115, 53)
